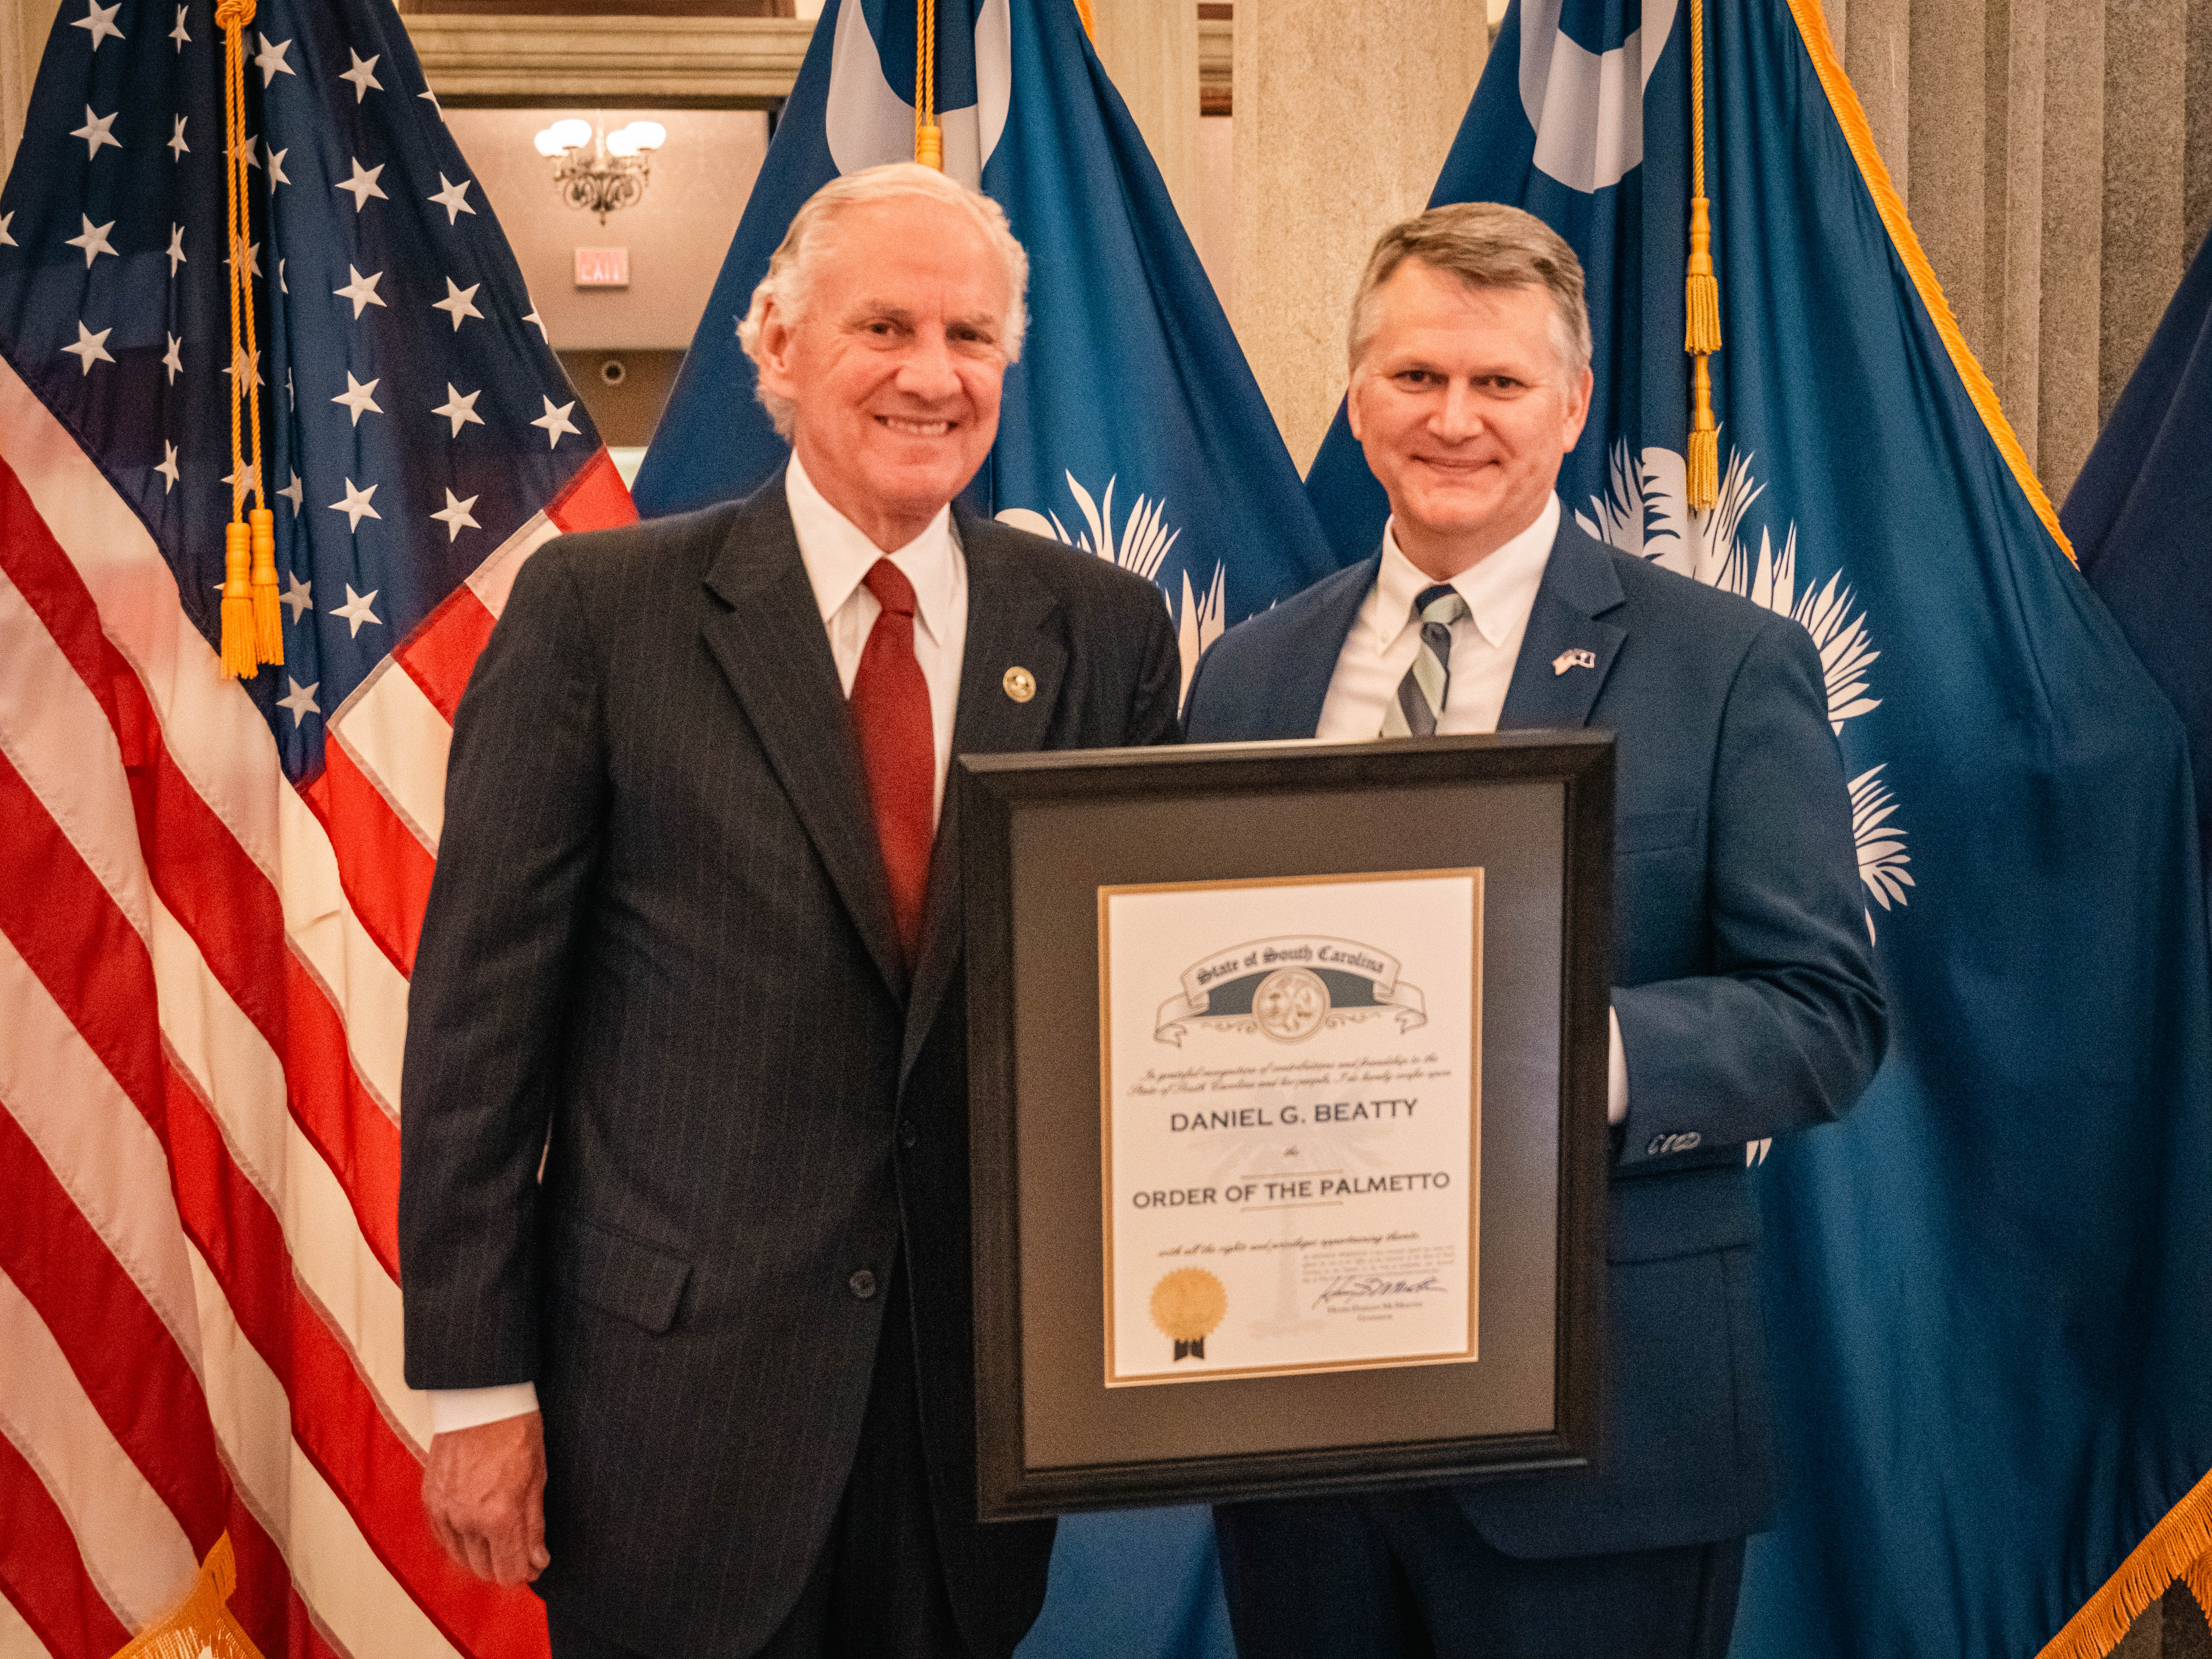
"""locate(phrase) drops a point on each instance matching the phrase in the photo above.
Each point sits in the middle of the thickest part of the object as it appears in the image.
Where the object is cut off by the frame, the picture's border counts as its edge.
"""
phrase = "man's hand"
(484, 1489)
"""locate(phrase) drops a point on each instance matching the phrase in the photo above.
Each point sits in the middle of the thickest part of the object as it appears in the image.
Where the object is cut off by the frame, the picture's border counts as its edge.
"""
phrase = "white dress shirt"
(837, 555)
(1500, 591)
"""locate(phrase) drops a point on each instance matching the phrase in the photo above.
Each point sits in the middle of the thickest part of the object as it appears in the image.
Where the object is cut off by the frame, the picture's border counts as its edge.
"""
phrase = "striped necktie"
(1421, 694)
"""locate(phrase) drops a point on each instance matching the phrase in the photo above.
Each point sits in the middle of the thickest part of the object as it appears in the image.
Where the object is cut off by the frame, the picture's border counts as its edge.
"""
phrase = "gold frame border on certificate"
(1475, 872)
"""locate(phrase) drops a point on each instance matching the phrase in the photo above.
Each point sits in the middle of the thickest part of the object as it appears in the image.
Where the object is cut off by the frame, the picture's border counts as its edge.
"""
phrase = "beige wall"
(676, 237)
(1343, 117)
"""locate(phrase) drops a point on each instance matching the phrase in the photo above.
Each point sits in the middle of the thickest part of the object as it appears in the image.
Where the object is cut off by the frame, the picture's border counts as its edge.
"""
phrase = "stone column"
(1877, 52)
(1948, 136)
(2197, 162)
(24, 24)
(1344, 115)
(2073, 240)
(1150, 48)
(2144, 79)
(2013, 196)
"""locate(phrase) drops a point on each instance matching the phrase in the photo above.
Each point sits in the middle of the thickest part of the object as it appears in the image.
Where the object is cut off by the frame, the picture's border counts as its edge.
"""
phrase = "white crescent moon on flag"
(868, 124)
(1586, 107)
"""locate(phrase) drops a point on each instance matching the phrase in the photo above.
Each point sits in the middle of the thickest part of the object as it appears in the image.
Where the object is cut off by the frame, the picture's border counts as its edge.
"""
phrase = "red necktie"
(898, 750)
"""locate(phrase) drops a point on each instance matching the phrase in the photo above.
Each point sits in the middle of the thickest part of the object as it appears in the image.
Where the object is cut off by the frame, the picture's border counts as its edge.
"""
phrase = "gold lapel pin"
(1020, 683)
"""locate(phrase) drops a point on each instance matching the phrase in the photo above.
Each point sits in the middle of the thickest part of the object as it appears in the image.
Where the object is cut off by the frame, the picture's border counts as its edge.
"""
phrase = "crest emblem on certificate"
(1289, 989)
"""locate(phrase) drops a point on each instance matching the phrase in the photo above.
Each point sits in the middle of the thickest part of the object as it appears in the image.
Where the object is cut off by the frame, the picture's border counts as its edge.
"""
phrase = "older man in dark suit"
(696, 938)
(1744, 1005)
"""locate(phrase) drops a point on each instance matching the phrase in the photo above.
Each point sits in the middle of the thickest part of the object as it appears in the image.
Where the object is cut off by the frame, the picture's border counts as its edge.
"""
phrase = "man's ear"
(1578, 404)
(1351, 403)
(776, 337)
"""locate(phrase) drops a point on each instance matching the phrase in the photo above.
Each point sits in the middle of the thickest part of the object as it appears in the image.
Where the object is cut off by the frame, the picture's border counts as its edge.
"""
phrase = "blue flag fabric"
(2141, 517)
(1132, 425)
(1991, 1286)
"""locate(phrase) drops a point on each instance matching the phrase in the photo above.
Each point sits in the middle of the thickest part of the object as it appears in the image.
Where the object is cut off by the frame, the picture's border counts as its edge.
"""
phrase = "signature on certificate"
(1360, 1287)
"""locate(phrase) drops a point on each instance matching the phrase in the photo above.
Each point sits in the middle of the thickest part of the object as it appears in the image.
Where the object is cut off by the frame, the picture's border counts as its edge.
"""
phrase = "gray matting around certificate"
(1061, 856)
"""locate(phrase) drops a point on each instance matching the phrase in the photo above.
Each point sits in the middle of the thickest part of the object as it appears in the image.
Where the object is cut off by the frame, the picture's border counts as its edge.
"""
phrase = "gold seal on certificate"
(1292, 1132)
(1187, 1304)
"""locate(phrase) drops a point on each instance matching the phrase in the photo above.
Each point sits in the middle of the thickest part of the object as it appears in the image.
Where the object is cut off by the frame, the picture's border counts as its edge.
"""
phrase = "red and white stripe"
(202, 1004)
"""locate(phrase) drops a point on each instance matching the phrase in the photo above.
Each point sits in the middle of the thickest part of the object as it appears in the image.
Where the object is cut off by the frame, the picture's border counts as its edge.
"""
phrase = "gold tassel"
(1704, 464)
(268, 611)
(929, 147)
(1701, 330)
(238, 654)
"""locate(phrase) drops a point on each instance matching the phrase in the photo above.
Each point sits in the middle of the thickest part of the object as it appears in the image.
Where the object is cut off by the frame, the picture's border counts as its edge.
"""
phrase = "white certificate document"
(1292, 1123)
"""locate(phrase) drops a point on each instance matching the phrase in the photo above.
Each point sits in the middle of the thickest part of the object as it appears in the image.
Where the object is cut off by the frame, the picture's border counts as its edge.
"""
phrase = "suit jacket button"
(908, 1136)
(862, 1284)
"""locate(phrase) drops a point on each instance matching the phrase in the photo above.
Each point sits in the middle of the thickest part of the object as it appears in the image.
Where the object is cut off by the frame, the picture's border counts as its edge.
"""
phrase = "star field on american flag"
(416, 393)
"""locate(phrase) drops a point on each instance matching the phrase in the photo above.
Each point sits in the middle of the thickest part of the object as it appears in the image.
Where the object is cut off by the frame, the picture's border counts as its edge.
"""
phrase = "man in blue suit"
(1745, 1002)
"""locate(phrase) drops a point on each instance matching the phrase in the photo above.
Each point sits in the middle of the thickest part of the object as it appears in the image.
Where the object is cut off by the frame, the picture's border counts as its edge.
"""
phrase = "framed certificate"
(1287, 1066)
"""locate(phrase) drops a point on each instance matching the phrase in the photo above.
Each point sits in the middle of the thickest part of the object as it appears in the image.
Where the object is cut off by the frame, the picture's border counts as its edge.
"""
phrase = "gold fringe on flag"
(1851, 116)
(202, 1625)
(2179, 1547)
(1701, 297)
(252, 618)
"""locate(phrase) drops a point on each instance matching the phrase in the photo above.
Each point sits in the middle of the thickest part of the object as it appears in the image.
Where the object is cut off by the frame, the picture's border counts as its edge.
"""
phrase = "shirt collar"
(1499, 589)
(838, 555)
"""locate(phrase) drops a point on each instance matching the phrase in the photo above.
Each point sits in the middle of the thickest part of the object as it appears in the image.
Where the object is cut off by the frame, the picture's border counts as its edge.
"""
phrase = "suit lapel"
(1301, 688)
(1566, 653)
(772, 645)
(1009, 626)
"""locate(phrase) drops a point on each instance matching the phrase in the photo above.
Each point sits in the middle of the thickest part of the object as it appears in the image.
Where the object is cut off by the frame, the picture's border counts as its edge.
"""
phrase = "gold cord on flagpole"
(928, 136)
(252, 618)
(1701, 305)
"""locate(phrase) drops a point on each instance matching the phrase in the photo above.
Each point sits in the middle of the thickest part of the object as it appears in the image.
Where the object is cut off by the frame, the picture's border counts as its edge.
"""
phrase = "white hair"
(792, 268)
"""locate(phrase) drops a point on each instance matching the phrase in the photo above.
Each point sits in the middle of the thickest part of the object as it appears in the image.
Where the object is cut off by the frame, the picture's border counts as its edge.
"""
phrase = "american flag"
(210, 891)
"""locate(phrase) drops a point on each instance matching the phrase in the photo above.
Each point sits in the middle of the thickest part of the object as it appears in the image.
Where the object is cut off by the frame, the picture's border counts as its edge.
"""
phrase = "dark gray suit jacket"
(1743, 978)
(660, 935)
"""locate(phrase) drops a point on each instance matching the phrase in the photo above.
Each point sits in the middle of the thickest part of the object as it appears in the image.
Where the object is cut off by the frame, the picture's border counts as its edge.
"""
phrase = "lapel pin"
(1575, 658)
(1020, 683)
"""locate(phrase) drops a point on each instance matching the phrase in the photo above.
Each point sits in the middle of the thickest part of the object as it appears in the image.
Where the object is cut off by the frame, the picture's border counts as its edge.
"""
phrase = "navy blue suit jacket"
(1743, 980)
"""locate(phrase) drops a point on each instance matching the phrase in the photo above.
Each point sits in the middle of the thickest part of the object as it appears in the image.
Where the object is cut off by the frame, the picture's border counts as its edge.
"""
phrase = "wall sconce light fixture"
(598, 171)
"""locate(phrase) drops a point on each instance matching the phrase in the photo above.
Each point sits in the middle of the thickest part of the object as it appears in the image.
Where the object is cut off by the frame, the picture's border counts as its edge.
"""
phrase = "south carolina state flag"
(1990, 1286)
(1132, 427)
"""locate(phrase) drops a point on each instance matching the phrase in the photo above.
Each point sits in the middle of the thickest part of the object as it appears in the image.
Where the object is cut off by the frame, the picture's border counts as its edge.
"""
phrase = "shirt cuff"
(470, 1408)
(1616, 1074)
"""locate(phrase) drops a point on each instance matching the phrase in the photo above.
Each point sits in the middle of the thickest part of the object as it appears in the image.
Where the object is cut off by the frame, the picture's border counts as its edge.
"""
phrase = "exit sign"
(602, 267)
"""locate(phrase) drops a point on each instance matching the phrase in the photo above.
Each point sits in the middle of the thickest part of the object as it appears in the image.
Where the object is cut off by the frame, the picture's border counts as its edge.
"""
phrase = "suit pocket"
(1654, 832)
(620, 1275)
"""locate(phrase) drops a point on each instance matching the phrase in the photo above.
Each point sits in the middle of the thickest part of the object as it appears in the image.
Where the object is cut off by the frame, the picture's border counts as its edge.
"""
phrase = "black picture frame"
(1040, 834)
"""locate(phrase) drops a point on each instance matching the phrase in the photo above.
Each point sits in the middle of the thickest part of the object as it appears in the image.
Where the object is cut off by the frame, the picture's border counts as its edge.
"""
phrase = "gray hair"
(792, 267)
(1485, 245)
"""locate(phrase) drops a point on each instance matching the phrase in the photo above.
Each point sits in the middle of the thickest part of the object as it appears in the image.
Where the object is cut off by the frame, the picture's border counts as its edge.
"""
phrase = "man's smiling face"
(894, 361)
(1465, 408)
